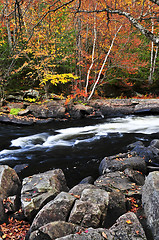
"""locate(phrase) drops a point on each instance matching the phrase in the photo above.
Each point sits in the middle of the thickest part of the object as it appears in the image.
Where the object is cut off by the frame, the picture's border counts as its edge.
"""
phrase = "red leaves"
(14, 229)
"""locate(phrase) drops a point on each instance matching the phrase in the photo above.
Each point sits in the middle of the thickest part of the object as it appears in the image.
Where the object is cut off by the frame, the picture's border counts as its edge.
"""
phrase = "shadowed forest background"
(78, 49)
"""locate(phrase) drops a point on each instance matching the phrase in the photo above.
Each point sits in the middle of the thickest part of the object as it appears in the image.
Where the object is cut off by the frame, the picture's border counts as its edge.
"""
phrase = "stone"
(116, 208)
(54, 230)
(12, 204)
(150, 202)
(3, 215)
(155, 143)
(9, 182)
(135, 176)
(117, 182)
(122, 161)
(127, 227)
(87, 180)
(78, 189)
(91, 209)
(55, 210)
(90, 234)
(39, 189)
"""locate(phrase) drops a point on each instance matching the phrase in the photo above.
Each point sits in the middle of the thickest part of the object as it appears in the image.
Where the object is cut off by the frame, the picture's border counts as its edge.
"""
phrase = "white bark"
(93, 53)
(106, 57)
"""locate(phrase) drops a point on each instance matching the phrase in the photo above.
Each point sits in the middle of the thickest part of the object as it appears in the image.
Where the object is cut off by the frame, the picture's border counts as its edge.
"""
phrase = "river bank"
(57, 110)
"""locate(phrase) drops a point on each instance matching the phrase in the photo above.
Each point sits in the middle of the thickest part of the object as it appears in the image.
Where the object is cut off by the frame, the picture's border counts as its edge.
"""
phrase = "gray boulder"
(122, 161)
(150, 201)
(55, 210)
(91, 209)
(54, 230)
(39, 189)
(127, 227)
(117, 182)
(9, 182)
(78, 189)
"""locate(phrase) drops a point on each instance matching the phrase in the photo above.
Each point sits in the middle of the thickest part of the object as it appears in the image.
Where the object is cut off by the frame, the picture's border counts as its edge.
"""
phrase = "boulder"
(47, 110)
(39, 189)
(9, 182)
(87, 180)
(127, 227)
(78, 189)
(150, 201)
(122, 161)
(117, 182)
(155, 143)
(54, 230)
(116, 208)
(12, 204)
(135, 176)
(89, 234)
(55, 210)
(79, 111)
(91, 209)
(3, 215)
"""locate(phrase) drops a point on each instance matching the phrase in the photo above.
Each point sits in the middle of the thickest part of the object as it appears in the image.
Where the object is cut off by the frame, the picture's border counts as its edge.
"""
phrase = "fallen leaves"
(128, 221)
(14, 230)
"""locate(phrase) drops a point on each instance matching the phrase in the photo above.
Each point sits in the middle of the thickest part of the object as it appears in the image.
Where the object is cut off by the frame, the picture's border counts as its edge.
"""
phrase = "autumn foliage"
(94, 42)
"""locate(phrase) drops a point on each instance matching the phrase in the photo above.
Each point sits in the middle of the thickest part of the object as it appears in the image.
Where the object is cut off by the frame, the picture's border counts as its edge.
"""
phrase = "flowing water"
(76, 147)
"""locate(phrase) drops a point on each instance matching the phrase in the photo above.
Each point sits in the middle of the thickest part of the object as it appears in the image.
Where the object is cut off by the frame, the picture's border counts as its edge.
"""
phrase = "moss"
(15, 111)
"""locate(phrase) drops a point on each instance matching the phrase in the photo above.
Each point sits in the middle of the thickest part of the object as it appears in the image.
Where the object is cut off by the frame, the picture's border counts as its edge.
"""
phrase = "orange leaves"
(14, 230)
(128, 221)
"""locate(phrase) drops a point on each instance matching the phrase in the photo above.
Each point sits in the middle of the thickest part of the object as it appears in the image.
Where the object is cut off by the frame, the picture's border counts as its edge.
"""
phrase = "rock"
(90, 234)
(155, 143)
(31, 93)
(116, 208)
(55, 210)
(127, 227)
(117, 182)
(87, 180)
(150, 201)
(79, 111)
(3, 216)
(39, 189)
(11, 204)
(135, 176)
(91, 209)
(78, 189)
(54, 230)
(9, 182)
(50, 110)
(122, 161)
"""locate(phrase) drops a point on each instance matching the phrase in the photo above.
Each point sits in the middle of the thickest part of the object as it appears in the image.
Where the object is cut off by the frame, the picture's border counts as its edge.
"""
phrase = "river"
(77, 147)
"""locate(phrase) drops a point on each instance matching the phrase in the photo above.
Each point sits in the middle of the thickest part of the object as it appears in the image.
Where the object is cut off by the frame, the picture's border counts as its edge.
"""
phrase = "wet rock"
(55, 210)
(150, 201)
(117, 182)
(91, 209)
(54, 230)
(122, 161)
(9, 182)
(39, 189)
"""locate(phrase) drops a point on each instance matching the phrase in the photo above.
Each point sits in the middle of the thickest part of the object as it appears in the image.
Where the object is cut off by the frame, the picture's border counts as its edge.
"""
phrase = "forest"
(79, 49)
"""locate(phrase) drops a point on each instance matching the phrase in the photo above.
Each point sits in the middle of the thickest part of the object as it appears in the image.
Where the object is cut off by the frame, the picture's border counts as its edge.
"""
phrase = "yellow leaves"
(57, 78)
(128, 221)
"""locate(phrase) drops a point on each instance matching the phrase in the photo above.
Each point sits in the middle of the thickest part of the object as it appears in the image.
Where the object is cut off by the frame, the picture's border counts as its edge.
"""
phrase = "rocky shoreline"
(122, 203)
(56, 110)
